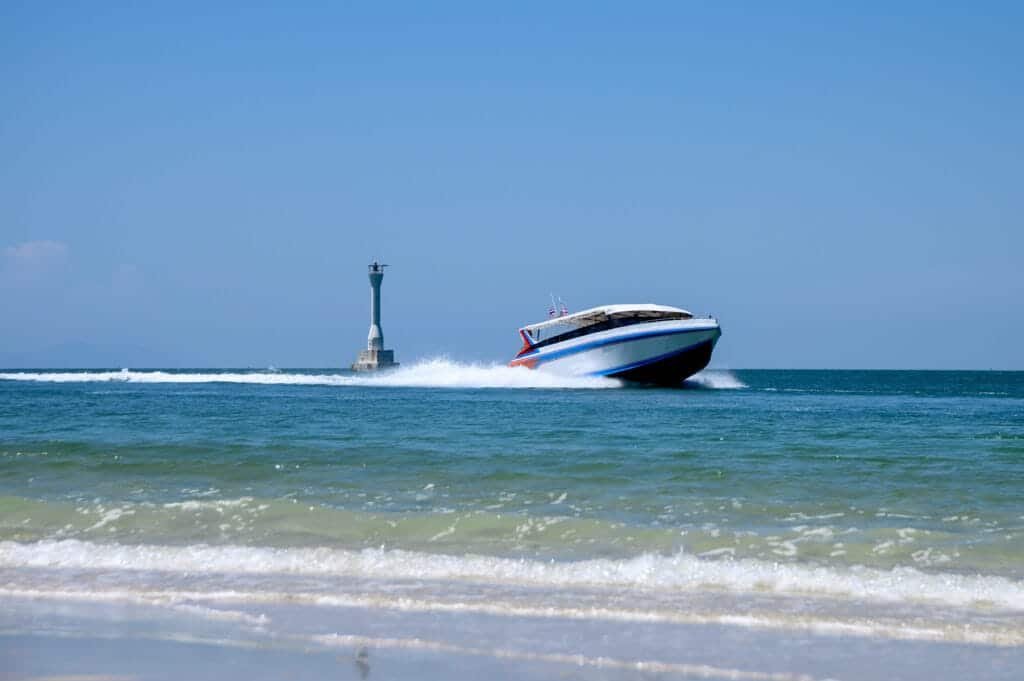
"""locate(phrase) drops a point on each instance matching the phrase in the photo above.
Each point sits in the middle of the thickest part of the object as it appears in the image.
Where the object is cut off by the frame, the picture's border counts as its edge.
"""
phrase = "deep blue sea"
(885, 502)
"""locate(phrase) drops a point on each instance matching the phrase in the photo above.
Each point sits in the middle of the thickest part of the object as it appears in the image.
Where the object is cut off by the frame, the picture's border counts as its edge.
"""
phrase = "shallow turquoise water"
(833, 468)
(750, 524)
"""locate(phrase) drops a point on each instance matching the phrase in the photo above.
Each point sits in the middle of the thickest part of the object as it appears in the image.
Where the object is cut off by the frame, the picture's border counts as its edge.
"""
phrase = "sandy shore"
(45, 637)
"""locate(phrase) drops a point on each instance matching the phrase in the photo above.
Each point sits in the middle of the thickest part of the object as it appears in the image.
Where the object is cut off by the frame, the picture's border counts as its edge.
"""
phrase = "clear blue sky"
(194, 186)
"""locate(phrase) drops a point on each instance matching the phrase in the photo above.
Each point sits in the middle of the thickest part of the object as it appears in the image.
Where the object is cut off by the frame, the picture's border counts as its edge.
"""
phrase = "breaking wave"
(659, 573)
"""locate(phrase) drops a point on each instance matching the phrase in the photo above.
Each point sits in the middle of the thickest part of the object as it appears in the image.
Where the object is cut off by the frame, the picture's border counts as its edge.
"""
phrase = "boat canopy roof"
(597, 315)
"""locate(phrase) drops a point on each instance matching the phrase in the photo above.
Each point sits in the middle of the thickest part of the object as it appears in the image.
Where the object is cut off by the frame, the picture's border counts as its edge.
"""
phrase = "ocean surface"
(855, 520)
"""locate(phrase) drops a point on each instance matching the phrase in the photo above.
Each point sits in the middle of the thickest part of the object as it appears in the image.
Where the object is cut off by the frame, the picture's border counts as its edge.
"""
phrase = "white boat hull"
(655, 352)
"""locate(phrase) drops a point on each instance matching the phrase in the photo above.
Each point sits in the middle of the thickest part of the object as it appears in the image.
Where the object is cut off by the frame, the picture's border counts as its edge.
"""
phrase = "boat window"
(614, 321)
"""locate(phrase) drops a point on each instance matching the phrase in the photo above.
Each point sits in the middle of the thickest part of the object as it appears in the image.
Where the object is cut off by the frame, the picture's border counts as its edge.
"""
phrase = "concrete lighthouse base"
(375, 360)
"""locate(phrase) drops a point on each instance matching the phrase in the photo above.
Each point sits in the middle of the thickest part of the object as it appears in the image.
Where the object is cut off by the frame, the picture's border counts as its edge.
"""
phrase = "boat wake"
(715, 379)
(432, 373)
(439, 372)
(444, 373)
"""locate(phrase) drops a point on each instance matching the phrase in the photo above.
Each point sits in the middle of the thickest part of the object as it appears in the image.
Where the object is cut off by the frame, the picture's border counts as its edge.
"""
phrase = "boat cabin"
(597, 319)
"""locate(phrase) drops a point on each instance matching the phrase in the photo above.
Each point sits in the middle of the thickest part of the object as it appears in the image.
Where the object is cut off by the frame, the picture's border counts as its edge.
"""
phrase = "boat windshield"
(582, 324)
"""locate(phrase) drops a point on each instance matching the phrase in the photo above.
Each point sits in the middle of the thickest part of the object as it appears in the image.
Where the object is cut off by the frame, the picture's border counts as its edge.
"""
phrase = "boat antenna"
(563, 310)
(553, 310)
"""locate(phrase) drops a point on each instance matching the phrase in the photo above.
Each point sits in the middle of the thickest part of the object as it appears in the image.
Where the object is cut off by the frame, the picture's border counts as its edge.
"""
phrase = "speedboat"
(645, 343)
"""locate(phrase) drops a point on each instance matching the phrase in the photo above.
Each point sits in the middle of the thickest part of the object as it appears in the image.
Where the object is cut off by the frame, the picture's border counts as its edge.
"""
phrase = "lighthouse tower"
(375, 357)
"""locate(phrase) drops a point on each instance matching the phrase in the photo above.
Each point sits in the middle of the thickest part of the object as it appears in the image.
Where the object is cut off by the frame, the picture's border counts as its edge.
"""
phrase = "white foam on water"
(215, 605)
(219, 505)
(679, 572)
(431, 373)
(445, 373)
(717, 379)
(439, 372)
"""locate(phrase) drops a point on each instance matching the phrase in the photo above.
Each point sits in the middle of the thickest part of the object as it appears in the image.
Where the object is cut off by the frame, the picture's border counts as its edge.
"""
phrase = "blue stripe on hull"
(603, 342)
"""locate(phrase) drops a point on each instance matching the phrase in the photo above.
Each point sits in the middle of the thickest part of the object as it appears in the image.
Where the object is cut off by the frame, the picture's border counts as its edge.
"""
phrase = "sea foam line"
(188, 602)
(679, 572)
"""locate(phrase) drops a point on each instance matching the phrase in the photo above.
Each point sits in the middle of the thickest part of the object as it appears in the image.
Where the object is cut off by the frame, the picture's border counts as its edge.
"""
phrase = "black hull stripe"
(669, 369)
